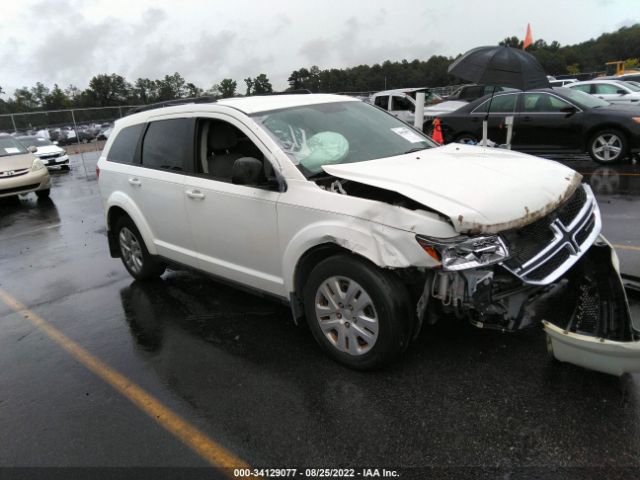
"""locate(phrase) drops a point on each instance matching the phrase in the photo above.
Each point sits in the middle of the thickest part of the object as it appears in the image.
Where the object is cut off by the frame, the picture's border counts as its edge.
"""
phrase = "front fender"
(384, 246)
(119, 199)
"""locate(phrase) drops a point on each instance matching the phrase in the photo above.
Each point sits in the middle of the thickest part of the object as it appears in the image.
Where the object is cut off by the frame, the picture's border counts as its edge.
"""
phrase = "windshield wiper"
(415, 149)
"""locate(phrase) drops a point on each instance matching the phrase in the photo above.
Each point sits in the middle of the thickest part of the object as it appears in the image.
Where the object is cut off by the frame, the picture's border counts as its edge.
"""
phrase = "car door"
(546, 123)
(403, 108)
(609, 92)
(166, 151)
(234, 226)
(499, 107)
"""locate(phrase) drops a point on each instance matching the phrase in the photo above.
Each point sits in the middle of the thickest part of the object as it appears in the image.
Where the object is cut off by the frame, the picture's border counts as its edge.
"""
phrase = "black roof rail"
(170, 103)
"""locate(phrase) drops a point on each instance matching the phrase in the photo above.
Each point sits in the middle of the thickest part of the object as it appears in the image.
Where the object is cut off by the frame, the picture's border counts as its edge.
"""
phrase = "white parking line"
(29, 232)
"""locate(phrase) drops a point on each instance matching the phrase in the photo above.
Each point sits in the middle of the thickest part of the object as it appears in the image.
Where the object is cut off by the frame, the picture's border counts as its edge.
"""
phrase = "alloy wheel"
(607, 147)
(131, 250)
(346, 315)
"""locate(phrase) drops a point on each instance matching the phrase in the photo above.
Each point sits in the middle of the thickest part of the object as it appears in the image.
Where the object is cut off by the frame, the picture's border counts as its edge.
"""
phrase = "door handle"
(135, 181)
(526, 118)
(197, 194)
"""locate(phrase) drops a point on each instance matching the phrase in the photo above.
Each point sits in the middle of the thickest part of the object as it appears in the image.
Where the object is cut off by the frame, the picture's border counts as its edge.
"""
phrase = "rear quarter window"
(123, 148)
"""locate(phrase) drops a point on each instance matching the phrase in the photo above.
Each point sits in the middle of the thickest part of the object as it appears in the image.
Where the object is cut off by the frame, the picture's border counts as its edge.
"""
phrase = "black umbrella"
(501, 66)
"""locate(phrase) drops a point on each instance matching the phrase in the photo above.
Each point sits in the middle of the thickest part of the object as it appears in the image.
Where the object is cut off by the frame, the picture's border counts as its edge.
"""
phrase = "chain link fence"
(80, 129)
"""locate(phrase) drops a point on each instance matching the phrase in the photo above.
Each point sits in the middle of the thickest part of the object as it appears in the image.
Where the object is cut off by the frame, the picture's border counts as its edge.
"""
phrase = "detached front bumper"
(599, 334)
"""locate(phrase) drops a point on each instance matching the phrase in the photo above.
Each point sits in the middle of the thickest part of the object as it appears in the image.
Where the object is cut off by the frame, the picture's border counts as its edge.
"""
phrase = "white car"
(612, 91)
(401, 103)
(562, 83)
(365, 227)
(50, 154)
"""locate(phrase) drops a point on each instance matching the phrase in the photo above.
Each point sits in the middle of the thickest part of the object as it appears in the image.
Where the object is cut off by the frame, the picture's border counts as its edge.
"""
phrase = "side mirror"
(569, 110)
(621, 92)
(247, 171)
(32, 149)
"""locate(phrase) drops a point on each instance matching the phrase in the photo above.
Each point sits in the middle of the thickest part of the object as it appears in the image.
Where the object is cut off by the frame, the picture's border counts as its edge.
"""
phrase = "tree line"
(113, 89)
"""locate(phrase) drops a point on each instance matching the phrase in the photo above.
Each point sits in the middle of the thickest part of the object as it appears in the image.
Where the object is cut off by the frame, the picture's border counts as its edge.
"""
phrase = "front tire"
(134, 254)
(42, 194)
(358, 313)
(608, 146)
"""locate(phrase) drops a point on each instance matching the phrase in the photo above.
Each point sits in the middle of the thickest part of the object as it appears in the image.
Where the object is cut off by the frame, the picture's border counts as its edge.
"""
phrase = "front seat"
(222, 140)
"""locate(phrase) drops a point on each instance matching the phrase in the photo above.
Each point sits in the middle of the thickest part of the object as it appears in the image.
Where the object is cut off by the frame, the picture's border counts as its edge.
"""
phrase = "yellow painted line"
(627, 247)
(208, 449)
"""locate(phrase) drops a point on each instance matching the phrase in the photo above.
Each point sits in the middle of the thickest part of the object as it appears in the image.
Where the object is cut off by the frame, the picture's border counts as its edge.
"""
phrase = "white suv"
(364, 226)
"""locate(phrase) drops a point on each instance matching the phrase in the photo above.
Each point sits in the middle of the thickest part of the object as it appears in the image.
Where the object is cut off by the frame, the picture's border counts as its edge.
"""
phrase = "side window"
(471, 93)
(168, 144)
(583, 88)
(382, 102)
(123, 149)
(400, 103)
(542, 102)
(605, 88)
(220, 144)
(499, 104)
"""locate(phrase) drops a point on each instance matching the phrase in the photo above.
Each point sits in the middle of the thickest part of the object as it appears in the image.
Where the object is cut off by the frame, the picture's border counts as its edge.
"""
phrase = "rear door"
(167, 151)
(499, 107)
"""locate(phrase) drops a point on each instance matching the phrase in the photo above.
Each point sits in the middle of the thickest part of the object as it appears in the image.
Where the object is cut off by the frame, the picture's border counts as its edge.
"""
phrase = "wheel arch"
(319, 241)
(119, 206)
(592, 131)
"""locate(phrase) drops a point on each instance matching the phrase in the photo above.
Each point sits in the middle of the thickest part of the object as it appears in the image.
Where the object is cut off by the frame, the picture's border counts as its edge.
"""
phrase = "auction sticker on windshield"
(407, 134)
(12, 150)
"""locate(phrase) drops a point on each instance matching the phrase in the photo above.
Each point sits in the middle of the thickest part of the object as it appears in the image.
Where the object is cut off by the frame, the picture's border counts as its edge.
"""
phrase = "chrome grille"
(542, 251)
(49, 156)
(13, 173)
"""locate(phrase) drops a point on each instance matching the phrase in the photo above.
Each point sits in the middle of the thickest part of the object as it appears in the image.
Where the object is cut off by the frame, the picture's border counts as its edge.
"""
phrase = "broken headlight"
(461, 253)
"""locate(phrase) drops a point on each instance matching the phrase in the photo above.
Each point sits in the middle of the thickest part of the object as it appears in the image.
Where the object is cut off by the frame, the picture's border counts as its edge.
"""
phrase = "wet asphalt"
(234, 365)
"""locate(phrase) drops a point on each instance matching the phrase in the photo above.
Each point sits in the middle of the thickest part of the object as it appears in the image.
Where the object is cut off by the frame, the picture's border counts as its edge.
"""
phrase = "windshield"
(341, 132)
(582, 99)
(34, 141)
(10, 146)
(631, 86)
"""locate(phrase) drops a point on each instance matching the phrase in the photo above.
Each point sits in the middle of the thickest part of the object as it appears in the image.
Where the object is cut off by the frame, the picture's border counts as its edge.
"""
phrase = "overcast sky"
(69, 41)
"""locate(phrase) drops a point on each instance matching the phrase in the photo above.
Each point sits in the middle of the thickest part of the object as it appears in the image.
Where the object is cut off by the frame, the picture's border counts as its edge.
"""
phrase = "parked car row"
(550, 121)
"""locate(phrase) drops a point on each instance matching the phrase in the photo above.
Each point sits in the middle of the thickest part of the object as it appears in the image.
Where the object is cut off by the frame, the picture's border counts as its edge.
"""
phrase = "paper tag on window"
(12, 150)
(407, 134)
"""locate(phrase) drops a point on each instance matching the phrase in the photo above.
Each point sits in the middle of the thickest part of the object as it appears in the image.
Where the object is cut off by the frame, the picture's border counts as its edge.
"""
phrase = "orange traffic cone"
(437, 132)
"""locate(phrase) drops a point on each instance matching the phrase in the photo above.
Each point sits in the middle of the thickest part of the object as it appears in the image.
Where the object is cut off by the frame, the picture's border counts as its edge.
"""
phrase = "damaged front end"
(557, 270)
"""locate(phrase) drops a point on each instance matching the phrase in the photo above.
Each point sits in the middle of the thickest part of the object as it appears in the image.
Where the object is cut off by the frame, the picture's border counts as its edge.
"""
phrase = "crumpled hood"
(482, 190)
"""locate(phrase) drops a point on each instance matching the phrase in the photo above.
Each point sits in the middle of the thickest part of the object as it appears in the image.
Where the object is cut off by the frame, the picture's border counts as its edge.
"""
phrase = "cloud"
(355, 45)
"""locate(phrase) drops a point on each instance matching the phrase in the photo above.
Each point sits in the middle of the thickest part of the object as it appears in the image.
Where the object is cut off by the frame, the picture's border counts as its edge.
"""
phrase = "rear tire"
(608, 146)
(359, 314)
(133, 252)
